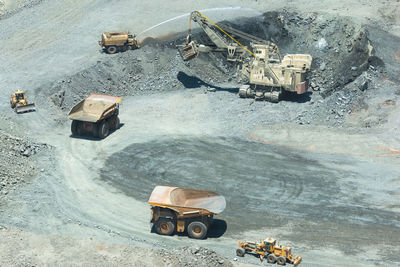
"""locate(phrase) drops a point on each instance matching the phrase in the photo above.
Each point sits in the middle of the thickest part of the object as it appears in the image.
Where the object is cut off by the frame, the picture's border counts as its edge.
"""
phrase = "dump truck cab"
(176, 209)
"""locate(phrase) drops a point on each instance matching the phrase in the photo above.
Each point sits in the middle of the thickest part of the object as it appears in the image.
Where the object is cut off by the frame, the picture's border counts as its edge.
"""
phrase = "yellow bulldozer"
(19, 104)
(270, 250)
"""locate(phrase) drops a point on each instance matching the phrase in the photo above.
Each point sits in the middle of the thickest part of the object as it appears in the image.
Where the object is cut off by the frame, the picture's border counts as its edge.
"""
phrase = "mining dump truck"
(270, 250)
(113, 42)
(96, 115)
(182, 209)
(19, 104)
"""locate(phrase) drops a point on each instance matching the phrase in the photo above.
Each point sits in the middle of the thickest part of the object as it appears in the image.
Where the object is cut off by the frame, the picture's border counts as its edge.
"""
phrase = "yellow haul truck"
(97, 115)
(183, 209)
(113, 42)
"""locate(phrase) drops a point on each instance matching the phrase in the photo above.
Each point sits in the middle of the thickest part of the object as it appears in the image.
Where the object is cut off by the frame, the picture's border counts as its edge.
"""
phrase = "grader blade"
(297, 261)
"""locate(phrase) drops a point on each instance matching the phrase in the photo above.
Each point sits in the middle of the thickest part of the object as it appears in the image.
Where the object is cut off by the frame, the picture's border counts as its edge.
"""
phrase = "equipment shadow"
(294, 97)
(195, 82)
(91, 138)
(216, 230)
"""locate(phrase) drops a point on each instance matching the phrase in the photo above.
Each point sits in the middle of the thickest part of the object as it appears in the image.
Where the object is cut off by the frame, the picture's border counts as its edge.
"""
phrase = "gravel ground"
(351, 111)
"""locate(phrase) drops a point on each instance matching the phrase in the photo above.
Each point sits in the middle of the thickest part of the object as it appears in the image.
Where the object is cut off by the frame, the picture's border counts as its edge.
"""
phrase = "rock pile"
(199, 256)
(15, 161)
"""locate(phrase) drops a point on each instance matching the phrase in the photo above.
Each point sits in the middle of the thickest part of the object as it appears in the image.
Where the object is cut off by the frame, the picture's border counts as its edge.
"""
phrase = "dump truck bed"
(176, 197)
(94, 108)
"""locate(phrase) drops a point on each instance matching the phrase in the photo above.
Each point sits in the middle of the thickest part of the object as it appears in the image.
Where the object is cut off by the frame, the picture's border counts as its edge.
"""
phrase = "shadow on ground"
(91, 138)
(195, 82)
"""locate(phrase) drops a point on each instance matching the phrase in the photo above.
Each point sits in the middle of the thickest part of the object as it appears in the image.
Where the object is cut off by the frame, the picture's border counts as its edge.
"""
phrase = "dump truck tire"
(240, 252)
(281, 260)
(197, 230)
(164, 227)
(103, 129)
(74, 127)
(111, 49)
(95, 130)
(116, 125)
(271, 258)
(114, 122)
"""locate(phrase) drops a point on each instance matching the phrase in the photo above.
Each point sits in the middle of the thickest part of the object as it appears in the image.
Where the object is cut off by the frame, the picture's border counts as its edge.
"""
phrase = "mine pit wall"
(340, 49)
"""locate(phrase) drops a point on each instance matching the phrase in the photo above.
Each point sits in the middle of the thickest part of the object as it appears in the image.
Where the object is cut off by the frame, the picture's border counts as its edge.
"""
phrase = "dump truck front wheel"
(240, 252)
(103, 129)
(197, 230)
(164, 227)
(281, 260)
(271, 258)
(111, 49)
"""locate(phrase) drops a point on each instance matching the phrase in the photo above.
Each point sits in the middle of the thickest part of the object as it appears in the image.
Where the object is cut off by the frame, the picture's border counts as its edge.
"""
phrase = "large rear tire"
(112, 49)
(114, 122)
(281, 260)
(103, 129)
(197, 230)
(164, 227)
(240, 252)
(74, 127)
(116, 125)
(271, 258)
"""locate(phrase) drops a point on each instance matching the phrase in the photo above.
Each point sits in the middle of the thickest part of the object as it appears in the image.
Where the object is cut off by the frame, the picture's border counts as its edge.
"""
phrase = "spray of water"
(203, 10)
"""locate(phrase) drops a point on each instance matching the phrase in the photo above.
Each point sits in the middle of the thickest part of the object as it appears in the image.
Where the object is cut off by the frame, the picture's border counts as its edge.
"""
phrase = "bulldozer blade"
(189, 51)
(26, 108)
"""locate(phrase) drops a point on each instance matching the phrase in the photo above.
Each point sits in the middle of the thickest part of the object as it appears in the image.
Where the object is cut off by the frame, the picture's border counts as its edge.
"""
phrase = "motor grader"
(269, 76)
(19, 104)
(113, 42)
(270, 250)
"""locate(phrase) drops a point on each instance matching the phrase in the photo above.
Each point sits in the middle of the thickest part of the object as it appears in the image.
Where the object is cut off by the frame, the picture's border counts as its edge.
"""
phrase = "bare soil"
(319, 172)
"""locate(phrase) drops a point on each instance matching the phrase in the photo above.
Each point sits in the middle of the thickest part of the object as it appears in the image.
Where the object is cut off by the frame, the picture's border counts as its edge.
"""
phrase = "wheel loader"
(19, 104)
(113, 42)
(96, 115)
(176, 209)
(269, 76)
(270, 250)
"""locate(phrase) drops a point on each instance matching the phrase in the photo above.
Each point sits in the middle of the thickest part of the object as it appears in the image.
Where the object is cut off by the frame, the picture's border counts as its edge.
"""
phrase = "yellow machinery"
(19, 104)
(270, 250)
(268, 74)
(97, 114)
(113, 42)
(176, 209)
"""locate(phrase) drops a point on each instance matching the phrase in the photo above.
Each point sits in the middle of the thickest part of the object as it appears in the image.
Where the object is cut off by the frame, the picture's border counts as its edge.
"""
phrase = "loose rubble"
(16, 163)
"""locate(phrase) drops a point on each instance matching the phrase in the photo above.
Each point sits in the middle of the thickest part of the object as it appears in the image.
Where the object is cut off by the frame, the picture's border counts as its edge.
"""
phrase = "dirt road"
(331, 193)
